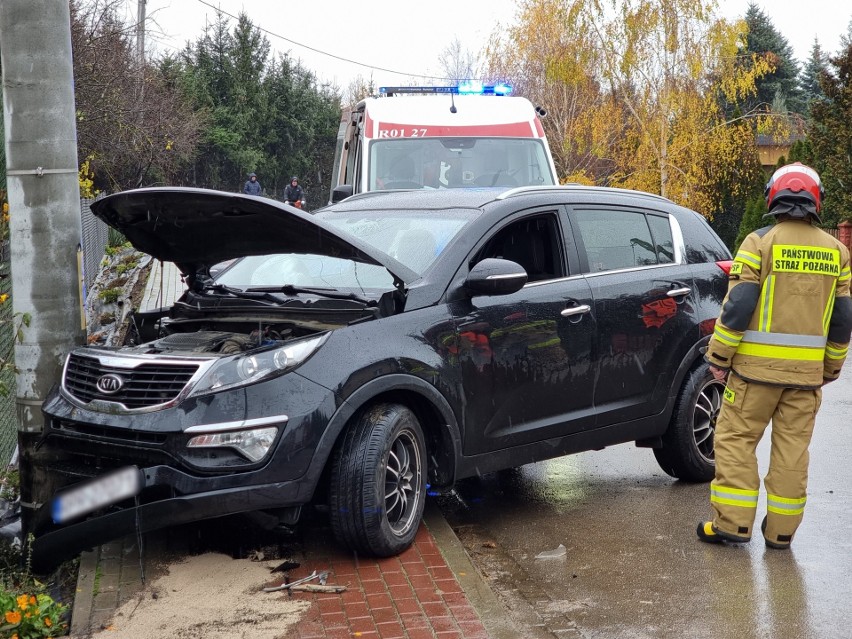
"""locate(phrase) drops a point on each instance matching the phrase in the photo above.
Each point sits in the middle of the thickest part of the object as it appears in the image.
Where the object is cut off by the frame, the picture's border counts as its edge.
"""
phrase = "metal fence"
(95, 238)
(8, 418)
(95, 235)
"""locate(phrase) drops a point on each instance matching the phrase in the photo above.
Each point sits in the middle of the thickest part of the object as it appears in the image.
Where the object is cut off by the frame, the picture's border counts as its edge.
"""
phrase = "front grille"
(110, 433)
(149, 384)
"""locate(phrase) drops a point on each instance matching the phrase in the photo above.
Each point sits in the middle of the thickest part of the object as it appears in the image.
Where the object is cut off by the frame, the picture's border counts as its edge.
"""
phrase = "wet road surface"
(632, 566)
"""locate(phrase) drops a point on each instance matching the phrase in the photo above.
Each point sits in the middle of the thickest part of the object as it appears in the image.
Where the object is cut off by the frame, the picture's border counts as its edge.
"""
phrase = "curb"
(491, 612)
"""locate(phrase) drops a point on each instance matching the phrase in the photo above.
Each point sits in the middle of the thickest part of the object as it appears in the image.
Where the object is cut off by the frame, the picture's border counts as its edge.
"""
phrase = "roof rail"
(575, 186)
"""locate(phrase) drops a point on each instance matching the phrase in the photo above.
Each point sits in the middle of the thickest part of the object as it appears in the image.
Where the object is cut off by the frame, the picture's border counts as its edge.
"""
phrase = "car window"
(415, 238)
(305, 270)
(533, 242)
(661, 231)
(622, 239)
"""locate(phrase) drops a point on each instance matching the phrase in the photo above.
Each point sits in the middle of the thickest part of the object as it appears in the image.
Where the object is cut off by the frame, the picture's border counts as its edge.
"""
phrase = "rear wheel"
(687, 450)
(378, 481)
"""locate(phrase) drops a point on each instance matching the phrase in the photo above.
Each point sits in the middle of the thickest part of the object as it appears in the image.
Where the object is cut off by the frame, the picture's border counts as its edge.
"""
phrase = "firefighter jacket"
(787, 316)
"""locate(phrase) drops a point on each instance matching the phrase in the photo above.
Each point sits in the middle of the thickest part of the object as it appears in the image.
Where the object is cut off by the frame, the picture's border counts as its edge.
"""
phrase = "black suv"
(381, 348)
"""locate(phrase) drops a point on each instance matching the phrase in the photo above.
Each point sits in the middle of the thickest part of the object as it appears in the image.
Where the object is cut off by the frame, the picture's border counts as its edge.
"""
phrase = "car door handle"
(677, 292)
(576, 310)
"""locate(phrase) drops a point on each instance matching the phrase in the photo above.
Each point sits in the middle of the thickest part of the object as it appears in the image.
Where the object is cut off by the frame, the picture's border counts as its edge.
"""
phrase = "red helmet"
(795, 182)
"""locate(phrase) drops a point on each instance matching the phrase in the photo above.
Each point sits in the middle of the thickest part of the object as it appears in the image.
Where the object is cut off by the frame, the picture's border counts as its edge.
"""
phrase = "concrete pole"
(140, 33)
(44, 196)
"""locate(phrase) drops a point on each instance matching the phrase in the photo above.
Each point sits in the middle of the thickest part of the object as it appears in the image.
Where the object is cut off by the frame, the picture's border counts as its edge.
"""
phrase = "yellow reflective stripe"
(836, 353)
(829, 307)
(733, 496)
(726, 337)
(845, 274)
(783, 511)
(798, 353)
(767, 298)
(749, 258)
(785, 505)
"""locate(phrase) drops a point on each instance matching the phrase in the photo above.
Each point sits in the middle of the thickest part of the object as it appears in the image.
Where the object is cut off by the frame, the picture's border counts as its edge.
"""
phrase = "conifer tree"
(781, 85)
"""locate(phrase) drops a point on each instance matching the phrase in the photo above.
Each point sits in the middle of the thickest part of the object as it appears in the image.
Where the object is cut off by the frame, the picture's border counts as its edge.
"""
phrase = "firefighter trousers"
(747, 408)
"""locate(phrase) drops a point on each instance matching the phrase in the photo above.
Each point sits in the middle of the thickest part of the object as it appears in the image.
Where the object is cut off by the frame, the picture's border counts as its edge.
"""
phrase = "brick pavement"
(431, 591)
(412, 596)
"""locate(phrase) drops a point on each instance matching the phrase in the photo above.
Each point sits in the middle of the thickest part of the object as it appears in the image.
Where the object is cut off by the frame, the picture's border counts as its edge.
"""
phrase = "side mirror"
(340, 193)
(493, 276)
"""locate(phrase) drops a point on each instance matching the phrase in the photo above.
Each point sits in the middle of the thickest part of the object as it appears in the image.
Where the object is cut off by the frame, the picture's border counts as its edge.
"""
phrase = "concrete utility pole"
(140, 33)
(44, 197)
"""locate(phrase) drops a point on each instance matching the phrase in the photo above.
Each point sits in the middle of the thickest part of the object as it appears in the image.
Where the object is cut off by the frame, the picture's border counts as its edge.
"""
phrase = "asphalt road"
(633, 567)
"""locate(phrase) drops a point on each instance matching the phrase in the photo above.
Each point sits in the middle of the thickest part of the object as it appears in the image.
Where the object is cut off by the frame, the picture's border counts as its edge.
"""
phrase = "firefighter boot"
(777, 545)
(708, 533)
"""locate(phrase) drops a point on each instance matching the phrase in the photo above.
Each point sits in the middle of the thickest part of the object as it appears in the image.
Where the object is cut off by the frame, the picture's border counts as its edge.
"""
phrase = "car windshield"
(415, 238)
(434, 163)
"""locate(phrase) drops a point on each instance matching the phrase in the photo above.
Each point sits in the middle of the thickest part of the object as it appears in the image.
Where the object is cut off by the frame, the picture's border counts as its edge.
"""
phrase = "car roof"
(477, 198)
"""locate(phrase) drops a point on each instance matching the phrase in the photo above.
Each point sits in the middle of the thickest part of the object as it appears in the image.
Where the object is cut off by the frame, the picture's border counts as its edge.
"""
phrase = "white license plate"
(94, 494)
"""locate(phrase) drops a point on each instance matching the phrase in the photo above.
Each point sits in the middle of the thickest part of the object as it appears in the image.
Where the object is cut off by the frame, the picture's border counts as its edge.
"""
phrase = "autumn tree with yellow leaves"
(635, 88)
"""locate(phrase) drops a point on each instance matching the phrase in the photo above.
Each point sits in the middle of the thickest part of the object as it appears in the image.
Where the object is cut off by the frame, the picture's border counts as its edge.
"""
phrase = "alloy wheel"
(403, 483)
(708, 403)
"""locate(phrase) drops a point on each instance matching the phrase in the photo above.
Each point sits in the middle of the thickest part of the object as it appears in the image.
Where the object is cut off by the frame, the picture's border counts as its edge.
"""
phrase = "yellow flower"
(5, 207)
(23, 600)
(3, 298)
(13, 617)
(48, 622)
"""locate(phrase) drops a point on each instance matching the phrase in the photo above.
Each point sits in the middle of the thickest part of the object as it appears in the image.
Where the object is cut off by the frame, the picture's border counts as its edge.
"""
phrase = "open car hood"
(197, 228)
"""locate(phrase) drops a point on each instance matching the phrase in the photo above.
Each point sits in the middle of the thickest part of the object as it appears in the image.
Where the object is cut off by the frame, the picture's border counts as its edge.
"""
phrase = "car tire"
(378, 481)
(687, 450)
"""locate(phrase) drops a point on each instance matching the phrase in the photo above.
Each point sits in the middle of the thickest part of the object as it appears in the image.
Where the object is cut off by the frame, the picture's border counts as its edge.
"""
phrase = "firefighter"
(782, 333)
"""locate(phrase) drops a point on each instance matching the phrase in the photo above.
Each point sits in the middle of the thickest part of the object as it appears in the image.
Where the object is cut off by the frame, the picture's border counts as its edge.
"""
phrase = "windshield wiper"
(248, 294)
(289, 289)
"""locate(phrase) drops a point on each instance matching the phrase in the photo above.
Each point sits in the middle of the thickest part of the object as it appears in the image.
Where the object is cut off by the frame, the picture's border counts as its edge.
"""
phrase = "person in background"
(782, 334)
(293, 194)
(252, 186)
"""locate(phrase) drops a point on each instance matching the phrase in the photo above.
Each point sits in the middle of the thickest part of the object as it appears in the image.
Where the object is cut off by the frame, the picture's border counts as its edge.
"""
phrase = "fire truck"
(470, 135)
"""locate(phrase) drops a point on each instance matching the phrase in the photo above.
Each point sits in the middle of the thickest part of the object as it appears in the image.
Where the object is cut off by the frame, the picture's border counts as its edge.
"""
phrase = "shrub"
(30, 616)
(111, 295)
(26, 610)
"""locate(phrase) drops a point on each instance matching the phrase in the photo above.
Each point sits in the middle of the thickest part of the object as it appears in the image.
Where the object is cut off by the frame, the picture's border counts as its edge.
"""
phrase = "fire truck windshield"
(453, 162)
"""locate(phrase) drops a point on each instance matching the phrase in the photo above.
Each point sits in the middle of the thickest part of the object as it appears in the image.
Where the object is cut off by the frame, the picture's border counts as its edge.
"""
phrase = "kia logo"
(110, 383)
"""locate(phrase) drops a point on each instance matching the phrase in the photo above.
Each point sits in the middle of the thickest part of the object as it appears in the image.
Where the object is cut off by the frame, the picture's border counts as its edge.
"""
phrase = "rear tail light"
(725, 265)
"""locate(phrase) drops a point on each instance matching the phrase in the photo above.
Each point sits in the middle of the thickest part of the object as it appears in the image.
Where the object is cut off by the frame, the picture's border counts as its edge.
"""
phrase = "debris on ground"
(557, 553)
(286, 586)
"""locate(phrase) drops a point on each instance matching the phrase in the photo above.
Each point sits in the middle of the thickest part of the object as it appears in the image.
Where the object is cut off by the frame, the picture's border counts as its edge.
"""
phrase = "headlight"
(254, 444)
(240, 370)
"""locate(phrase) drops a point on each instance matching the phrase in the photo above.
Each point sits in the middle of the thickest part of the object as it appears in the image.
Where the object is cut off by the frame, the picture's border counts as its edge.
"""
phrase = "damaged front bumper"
(61, 543)
(177, 484)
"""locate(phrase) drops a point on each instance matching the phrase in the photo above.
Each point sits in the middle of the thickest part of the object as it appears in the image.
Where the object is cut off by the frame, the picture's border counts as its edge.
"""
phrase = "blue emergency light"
(470, 87)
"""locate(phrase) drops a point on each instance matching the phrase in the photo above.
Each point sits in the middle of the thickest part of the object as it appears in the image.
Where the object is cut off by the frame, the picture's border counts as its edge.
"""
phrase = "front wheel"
(687, 451)
(378, 481)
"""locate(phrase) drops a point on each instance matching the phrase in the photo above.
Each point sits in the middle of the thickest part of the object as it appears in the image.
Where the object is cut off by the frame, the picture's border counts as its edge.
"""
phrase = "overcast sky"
(392, 35)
